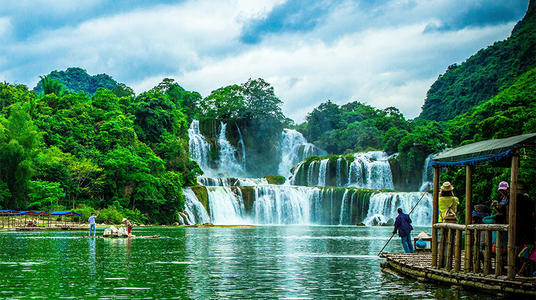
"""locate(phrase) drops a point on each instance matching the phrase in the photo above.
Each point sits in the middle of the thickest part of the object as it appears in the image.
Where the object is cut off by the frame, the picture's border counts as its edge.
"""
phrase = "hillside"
(78, 80)
(484, 74)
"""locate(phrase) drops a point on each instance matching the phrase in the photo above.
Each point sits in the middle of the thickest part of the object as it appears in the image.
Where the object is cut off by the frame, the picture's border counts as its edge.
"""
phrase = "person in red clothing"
(129, 226)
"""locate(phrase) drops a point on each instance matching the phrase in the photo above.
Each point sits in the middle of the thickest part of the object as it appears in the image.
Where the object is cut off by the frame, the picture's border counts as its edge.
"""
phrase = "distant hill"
(484, 74)
(78, 80)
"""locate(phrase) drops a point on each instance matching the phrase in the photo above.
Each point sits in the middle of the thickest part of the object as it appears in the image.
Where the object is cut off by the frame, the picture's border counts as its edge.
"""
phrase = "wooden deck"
(419, 266)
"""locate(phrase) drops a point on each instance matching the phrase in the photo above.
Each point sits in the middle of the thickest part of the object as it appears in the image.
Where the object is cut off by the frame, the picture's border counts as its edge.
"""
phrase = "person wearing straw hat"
(129, 226)
(448, 204)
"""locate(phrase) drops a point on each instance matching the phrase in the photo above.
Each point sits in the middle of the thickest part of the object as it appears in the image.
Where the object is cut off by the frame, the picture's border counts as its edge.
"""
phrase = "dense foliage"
(78, 80)
(484, 74)
(354, 127)
(123, 153)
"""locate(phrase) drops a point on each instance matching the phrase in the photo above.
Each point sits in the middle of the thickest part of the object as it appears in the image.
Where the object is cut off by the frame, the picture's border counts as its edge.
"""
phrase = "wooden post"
(458, 251)
(512, 210)
(498, 254)
(435, 215)
(487, 253)
(468, 194)
(476, 252)
(441, 251)
(450, 248)
(468, 209)
(468, 252)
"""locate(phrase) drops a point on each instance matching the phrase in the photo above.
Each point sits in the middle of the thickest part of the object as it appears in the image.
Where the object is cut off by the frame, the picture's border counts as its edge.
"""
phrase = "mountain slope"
(484, 74)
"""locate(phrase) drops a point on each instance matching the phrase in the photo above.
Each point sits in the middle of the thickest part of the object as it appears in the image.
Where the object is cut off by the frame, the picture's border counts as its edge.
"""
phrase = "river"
(208, 263)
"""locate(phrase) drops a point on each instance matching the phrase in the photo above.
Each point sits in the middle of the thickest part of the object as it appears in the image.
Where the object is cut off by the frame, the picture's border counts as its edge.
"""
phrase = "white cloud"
(380, 57)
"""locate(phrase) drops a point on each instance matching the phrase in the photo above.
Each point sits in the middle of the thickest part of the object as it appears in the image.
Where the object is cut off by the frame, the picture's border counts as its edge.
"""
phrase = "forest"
(90, 143)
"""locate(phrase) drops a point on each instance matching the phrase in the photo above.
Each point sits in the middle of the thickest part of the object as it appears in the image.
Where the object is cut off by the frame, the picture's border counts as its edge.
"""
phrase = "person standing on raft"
(403, 225)
(92, 224)
(129, 226)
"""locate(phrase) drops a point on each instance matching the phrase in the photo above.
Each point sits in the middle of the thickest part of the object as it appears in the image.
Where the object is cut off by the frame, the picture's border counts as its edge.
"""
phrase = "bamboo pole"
(441, 251)
(498, 255)
(476, 252)
(468, 252)
(435, 214)
(458, 251)
(450, 248)
(468, 209)
(512, 210)
(487, 253)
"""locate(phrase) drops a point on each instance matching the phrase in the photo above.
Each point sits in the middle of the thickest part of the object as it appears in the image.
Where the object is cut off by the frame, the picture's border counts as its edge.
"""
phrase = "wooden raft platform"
(419, 266)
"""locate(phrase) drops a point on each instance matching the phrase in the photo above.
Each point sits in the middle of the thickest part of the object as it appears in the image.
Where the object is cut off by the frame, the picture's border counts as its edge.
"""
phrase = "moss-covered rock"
(202, 195)
(275, 179)
(248, 197)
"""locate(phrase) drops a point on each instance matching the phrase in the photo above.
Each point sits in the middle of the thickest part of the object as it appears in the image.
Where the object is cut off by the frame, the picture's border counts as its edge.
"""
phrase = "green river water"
(315, 262)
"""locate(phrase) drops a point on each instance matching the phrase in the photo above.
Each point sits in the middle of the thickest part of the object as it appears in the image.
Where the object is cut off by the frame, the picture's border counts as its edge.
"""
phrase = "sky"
(383, 53)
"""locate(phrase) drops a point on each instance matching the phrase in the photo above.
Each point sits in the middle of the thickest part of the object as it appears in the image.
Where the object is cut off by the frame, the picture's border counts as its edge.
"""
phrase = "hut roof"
(490, 150)
(64, 213)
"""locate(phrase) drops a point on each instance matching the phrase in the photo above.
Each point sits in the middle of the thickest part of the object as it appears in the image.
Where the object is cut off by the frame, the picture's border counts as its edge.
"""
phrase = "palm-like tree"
(51, 86)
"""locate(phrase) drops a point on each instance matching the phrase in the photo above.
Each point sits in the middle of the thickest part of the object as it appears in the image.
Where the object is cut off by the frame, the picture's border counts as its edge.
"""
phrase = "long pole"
(412, 209)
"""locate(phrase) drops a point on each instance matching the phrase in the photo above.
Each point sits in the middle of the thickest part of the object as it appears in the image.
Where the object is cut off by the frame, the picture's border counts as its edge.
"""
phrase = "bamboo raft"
(419, 266)
(125, 237)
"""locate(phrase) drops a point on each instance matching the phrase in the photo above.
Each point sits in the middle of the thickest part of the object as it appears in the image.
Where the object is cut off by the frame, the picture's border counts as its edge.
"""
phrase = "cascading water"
(228, 164)
(199, 147)
(242, 147)
(236, 200)
(369, 170)
(295, 148)
(194, 210)
(383, 207)
(427, 174)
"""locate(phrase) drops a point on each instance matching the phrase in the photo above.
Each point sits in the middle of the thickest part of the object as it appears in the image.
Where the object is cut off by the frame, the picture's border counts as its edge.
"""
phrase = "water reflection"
(201, 263)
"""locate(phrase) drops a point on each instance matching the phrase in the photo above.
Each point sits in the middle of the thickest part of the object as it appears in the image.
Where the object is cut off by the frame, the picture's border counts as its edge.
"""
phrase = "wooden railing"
(448, 255)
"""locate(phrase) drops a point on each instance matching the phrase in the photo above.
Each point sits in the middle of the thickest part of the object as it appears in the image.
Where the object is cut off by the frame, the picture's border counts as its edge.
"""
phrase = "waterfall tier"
(295, 148)
(284, 204)
(362, 170)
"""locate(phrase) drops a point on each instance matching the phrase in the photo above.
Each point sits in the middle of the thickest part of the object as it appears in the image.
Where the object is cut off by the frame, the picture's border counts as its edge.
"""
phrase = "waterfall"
(196, 212)
(369, 170)
(228, 164)
(383, 207)
(341, 216)
(427, 173)
(226, 206)
(322, 172)
(338, 181)
(199, 147)
(229, 181)
(295, 148)
(242, 147)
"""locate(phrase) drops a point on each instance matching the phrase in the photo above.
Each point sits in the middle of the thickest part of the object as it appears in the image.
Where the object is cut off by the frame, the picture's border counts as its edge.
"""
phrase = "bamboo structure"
(435, 215)
(512, 222)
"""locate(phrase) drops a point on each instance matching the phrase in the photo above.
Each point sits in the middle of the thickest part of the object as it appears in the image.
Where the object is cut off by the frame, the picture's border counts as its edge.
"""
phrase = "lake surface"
(208, 263)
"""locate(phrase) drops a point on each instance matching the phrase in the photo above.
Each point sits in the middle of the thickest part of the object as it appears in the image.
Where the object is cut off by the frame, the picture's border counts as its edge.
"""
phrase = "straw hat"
(447, 186)
(423, 235)
(124, 219)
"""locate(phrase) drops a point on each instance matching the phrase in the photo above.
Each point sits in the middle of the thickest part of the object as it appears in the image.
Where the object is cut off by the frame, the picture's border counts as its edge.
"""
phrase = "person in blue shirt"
(92, 223)
(403, 225)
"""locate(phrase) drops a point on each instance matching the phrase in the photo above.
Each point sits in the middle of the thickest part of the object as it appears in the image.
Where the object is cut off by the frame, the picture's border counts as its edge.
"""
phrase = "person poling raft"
(399, 212)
